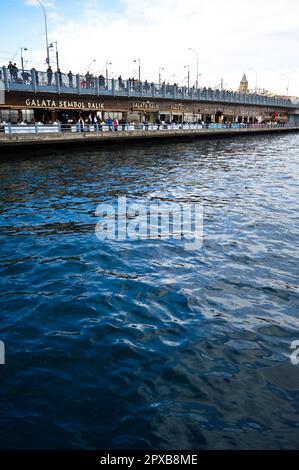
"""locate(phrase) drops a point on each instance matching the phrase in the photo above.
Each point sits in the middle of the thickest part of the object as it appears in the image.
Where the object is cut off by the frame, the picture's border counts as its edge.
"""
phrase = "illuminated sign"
(145, 105)
(63, 104)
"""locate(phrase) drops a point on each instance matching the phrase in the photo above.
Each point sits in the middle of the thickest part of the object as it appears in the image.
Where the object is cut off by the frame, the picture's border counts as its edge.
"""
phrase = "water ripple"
(144, 344)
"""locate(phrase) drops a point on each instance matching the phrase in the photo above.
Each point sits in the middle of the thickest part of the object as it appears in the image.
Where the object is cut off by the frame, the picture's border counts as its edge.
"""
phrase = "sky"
(260, 38)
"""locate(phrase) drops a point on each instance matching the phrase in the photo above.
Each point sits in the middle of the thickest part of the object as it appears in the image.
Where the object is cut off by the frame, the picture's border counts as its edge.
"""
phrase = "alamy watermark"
(163, 221)
(295, 353)
(2, 353)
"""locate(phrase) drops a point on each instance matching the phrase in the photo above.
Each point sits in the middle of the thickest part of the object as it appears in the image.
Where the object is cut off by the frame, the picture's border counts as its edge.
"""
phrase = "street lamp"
(22, 58)
(160, 68)
(288, 87)
(288, 83)
(197, 65)
(188, 67)
(89, 65)
(46, 31)
(255, 79)
(139, 68)
(107, 73)
(57, 56)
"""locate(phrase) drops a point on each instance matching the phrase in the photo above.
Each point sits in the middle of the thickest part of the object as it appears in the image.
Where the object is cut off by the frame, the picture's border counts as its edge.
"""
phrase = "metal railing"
(13, 129)
(57, 82)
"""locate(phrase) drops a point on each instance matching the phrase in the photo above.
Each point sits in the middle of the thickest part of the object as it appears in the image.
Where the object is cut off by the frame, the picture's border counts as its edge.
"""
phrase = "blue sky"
(231, 38)
(22, 23)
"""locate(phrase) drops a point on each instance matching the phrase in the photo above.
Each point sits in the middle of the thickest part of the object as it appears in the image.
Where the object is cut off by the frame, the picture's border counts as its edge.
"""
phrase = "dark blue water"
(142, 344)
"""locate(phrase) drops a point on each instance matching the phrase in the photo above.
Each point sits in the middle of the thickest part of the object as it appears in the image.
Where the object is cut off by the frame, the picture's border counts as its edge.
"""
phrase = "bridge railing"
(57, 82)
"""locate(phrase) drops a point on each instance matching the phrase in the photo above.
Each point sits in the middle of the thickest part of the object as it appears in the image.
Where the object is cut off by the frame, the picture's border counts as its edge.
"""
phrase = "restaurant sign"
(63, 104)
(180, 107)
(145, 105)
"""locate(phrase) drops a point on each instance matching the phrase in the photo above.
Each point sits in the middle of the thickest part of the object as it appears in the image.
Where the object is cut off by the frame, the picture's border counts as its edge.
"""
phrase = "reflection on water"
(142, 344)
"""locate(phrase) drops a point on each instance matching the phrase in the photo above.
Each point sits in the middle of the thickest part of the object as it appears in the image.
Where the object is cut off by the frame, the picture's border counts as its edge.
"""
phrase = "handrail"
(10, 129)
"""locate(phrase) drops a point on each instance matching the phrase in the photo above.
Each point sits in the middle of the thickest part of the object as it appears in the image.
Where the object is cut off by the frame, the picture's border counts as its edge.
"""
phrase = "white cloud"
(231, 37)
(46, 3)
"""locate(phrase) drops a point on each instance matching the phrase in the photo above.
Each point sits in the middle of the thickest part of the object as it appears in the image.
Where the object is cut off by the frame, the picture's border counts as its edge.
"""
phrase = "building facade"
(38, 107)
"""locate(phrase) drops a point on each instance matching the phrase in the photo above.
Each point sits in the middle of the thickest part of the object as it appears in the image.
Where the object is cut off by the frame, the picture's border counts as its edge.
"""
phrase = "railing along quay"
(60, 83)
(11, 129)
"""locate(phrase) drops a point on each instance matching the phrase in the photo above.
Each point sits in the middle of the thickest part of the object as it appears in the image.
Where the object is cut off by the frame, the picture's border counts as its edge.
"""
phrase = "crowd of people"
(13, 70)
(92, 124)
(90, 81)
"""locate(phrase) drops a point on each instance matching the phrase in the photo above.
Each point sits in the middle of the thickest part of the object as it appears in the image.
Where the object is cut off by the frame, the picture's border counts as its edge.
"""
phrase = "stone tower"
(243, 88)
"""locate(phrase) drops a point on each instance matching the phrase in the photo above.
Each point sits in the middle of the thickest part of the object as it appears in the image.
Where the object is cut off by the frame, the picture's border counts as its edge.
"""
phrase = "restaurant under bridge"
(33, 96)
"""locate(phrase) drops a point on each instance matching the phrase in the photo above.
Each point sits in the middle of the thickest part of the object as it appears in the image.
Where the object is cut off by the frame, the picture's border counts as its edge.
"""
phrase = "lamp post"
(288, 87)
(288, 84)
(46, 30)
(89, 65)
(160, 68)
(253, 70)
(197, 65)
(139, 68)
(188, 67)
(57, 55)
(107, 72)
(22, 58)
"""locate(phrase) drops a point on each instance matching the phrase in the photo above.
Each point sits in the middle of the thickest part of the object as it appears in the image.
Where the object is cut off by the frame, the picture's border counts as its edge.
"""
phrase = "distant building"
(243, 88)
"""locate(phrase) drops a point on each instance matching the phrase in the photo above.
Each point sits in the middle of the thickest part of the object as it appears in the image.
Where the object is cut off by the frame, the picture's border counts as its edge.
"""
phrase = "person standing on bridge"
(10, 68)
(88, 78)
(49, 75)
(70, 77)
(59, 74)
(15, 72)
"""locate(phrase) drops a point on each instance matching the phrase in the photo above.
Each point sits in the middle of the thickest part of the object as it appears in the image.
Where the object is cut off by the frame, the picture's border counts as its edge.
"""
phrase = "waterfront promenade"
(35, 136)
